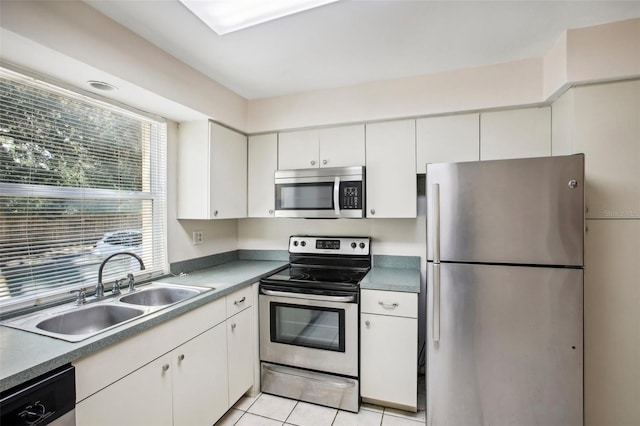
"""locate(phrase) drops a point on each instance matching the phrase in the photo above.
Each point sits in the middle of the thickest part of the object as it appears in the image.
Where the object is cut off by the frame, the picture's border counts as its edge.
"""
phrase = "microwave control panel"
(351, 195)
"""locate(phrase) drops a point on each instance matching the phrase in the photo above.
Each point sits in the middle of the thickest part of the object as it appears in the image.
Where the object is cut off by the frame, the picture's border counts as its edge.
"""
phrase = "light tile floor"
(269, 410)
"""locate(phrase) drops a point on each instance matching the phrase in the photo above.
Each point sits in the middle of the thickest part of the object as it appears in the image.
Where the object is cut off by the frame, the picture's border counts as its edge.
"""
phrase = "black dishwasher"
(47, 399)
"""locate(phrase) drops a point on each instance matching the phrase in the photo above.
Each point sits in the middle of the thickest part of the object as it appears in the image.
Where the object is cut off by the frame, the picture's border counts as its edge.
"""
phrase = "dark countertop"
(392, 279)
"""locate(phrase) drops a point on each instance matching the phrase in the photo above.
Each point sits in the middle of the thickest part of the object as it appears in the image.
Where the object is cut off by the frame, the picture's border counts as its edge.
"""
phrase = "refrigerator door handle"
(436, 302)
(435, 231)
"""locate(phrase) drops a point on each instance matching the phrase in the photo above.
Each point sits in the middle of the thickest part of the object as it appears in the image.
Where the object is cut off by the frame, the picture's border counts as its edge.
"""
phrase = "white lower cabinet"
(187, 386)
(241, 354)
(200, 379)
(142, 398)
(194, 381)
(389, 349)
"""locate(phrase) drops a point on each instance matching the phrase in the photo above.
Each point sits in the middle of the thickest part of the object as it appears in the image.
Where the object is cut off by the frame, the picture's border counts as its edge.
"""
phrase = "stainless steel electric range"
(309, 333)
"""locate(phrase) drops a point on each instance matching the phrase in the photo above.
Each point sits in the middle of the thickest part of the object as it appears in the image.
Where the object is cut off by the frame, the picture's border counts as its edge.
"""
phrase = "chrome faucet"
(100, 285)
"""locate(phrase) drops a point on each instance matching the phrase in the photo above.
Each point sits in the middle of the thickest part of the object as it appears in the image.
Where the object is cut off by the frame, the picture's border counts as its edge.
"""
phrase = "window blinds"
(80, 180)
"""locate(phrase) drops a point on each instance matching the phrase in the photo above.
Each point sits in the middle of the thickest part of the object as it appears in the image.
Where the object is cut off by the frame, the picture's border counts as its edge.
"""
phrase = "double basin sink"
(77, 323)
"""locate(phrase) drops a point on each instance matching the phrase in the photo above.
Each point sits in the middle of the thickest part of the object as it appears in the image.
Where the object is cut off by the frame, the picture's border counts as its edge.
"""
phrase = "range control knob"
(303, 243)
(353, 245)
(361, 245)
(295, 243)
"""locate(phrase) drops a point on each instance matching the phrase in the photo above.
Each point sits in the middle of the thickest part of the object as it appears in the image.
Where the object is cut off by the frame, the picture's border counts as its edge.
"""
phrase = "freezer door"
(510, 350)
(523, 211)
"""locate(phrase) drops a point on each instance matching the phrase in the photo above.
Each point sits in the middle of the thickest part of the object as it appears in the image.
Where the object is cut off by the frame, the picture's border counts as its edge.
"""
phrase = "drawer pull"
(388, 305)
(165, 367)
(181, 357)
(237, 302)
(233, 326)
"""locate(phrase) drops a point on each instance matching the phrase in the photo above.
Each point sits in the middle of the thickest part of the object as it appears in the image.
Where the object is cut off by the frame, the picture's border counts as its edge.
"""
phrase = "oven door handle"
(309, 296)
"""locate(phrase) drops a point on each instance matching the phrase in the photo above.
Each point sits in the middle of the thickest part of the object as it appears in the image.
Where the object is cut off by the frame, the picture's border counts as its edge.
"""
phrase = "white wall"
(493, 86)
(78, 31)
(599, 53)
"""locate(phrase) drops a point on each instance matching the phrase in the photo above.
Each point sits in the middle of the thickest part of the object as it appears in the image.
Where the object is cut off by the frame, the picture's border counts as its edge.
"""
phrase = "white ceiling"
(351, 42)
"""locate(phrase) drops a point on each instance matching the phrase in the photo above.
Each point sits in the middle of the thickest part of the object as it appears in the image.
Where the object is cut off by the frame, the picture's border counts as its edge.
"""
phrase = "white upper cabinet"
(607, 131)
(212, 172)
(262, 164)
(342, 146)
(447, 139)
(391, 169)
(328, 147)
(298, 150)
(515, 134)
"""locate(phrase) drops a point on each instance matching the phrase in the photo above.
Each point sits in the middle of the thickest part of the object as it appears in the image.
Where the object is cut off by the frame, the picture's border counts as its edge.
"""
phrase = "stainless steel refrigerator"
(505, 292)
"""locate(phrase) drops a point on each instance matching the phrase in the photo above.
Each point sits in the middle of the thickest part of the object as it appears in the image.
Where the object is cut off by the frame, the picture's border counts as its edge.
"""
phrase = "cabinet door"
(263, 162)
(228, 173)
(515, 134)
(607, 131)
(388, 359)
(200, 395)
(143, 398)
(194, 192)
(342, 146)
(298, 150)
(240, 342)
(391, 169)
(611, 322)
(447, 140)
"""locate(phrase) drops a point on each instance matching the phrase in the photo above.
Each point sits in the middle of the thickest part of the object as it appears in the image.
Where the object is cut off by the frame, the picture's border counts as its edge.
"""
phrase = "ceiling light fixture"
(225, 16)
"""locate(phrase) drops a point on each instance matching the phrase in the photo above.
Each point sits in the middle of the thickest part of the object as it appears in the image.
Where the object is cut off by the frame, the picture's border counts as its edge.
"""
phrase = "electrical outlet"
(198, 237)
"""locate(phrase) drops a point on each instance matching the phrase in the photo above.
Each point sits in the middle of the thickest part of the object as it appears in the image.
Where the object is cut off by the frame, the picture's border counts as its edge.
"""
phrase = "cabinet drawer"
(239, 300)
(394, 303)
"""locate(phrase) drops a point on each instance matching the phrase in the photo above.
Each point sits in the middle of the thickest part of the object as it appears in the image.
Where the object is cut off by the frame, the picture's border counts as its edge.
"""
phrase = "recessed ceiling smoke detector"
(101, 85)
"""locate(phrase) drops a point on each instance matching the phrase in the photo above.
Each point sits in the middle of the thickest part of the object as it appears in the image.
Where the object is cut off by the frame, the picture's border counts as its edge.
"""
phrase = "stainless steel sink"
(87, 320)
(159, 296)
(76, 323)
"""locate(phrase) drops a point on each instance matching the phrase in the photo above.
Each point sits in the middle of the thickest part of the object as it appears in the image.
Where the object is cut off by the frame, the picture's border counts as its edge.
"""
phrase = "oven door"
(317, 332)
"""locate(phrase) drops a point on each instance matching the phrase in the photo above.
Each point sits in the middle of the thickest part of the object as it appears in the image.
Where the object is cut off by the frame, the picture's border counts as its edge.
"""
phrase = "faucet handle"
(115, 290)
(131, 282)
(82, 293)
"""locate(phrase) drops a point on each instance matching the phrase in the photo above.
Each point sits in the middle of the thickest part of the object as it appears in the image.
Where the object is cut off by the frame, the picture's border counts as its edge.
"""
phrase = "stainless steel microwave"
(327, 193)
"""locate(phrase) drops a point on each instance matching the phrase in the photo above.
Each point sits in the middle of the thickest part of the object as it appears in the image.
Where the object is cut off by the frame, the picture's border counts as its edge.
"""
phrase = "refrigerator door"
(522, 211)
(510, 347)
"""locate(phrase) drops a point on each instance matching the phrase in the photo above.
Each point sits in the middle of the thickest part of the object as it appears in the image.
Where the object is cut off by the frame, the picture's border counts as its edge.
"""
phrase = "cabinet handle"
(270, 211)
(372, 211)
(215, 212)
(367, 323)
(237, 302)
(181, 357)
(313, 162)
(324, 161)
(165, 367)
(233, 326)
(388, 305)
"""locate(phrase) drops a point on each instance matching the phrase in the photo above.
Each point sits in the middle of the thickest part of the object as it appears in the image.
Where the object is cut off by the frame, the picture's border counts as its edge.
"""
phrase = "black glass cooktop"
(303, 275)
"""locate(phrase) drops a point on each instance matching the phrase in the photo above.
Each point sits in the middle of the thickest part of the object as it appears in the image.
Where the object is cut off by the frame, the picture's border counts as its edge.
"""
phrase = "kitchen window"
(80, 179)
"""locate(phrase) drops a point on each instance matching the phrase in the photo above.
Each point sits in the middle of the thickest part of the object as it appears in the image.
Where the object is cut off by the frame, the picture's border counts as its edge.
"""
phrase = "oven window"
(308, 326)
(305, 196)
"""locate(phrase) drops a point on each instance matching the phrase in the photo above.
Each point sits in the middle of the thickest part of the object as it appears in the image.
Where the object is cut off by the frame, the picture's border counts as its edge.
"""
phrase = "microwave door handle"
(336, 196)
